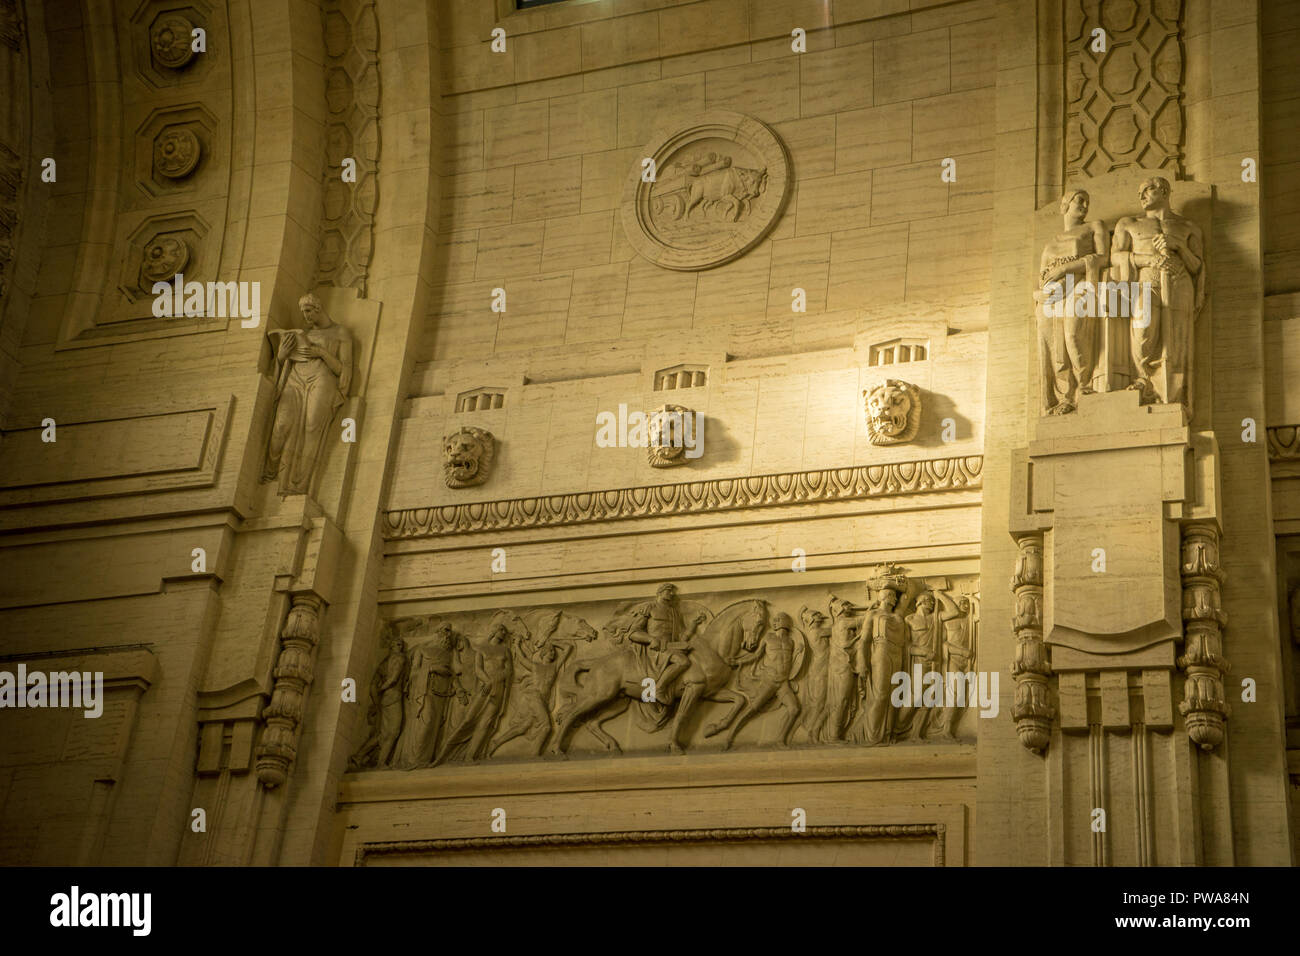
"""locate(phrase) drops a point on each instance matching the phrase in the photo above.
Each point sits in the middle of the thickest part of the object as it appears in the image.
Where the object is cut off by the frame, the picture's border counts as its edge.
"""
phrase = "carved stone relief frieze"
(678, 674)
(695, 497)
(707, 193)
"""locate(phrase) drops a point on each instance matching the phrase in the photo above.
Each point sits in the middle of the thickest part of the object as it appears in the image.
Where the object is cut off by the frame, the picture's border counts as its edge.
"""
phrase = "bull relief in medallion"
(706, 194)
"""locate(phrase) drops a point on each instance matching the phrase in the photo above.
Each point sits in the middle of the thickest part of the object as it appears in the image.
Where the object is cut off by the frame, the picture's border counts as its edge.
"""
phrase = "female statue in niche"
(315, 372)
(1068, 343)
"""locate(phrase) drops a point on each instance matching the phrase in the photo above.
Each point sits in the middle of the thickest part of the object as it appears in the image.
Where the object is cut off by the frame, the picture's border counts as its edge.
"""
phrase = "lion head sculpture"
(893, 412)
(467, 456)
(673, 435)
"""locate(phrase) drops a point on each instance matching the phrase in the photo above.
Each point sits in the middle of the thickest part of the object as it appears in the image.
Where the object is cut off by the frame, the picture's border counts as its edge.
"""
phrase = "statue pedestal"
(1115, 513)
(1107, 480)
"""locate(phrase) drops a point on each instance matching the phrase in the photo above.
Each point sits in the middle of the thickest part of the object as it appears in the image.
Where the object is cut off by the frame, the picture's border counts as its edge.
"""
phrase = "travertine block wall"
(536, 164)
(508, 170)
(787, 413)
(539, 144)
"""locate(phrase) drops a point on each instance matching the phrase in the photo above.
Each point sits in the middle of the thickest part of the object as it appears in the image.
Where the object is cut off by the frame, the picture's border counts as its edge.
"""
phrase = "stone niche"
(787, 666)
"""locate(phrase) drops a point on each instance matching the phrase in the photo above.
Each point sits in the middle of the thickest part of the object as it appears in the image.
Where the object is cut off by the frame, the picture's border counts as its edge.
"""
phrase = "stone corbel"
(1204, 707)
(309, 592)
(1151, 536)
(1032, 711)
(293, 676)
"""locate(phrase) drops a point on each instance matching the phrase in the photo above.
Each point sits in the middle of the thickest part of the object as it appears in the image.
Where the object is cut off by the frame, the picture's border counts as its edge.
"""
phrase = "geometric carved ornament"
(1122, 104)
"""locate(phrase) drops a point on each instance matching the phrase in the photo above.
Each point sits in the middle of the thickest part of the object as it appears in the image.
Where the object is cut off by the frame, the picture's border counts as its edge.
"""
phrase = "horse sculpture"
(601, 688)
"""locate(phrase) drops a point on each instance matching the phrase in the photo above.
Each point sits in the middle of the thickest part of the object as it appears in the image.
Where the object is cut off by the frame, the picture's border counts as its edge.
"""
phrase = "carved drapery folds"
(1033, 709)
(313, 378)
(680, 673)
(351, 140)
(1122, 103)
(293, 676)
(1203, 707)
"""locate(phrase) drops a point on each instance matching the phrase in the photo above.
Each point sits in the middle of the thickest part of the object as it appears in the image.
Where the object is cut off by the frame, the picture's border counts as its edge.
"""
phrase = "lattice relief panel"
(351, 134)
(1123, 105)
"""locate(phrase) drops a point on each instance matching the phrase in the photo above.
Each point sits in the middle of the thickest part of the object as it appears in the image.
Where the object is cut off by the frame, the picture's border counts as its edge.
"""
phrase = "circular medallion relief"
(163, 258)
(176, 152)
(719, 185)
(170, 39)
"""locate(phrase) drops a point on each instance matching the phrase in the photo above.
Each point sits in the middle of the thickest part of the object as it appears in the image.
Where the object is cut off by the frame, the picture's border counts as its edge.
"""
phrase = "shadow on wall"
(720, 446)
(934, 410)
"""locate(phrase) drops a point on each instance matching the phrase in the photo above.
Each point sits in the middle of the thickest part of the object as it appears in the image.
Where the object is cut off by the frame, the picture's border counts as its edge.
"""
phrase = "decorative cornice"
(657, 837)
(1283, 443)
(695, 497)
